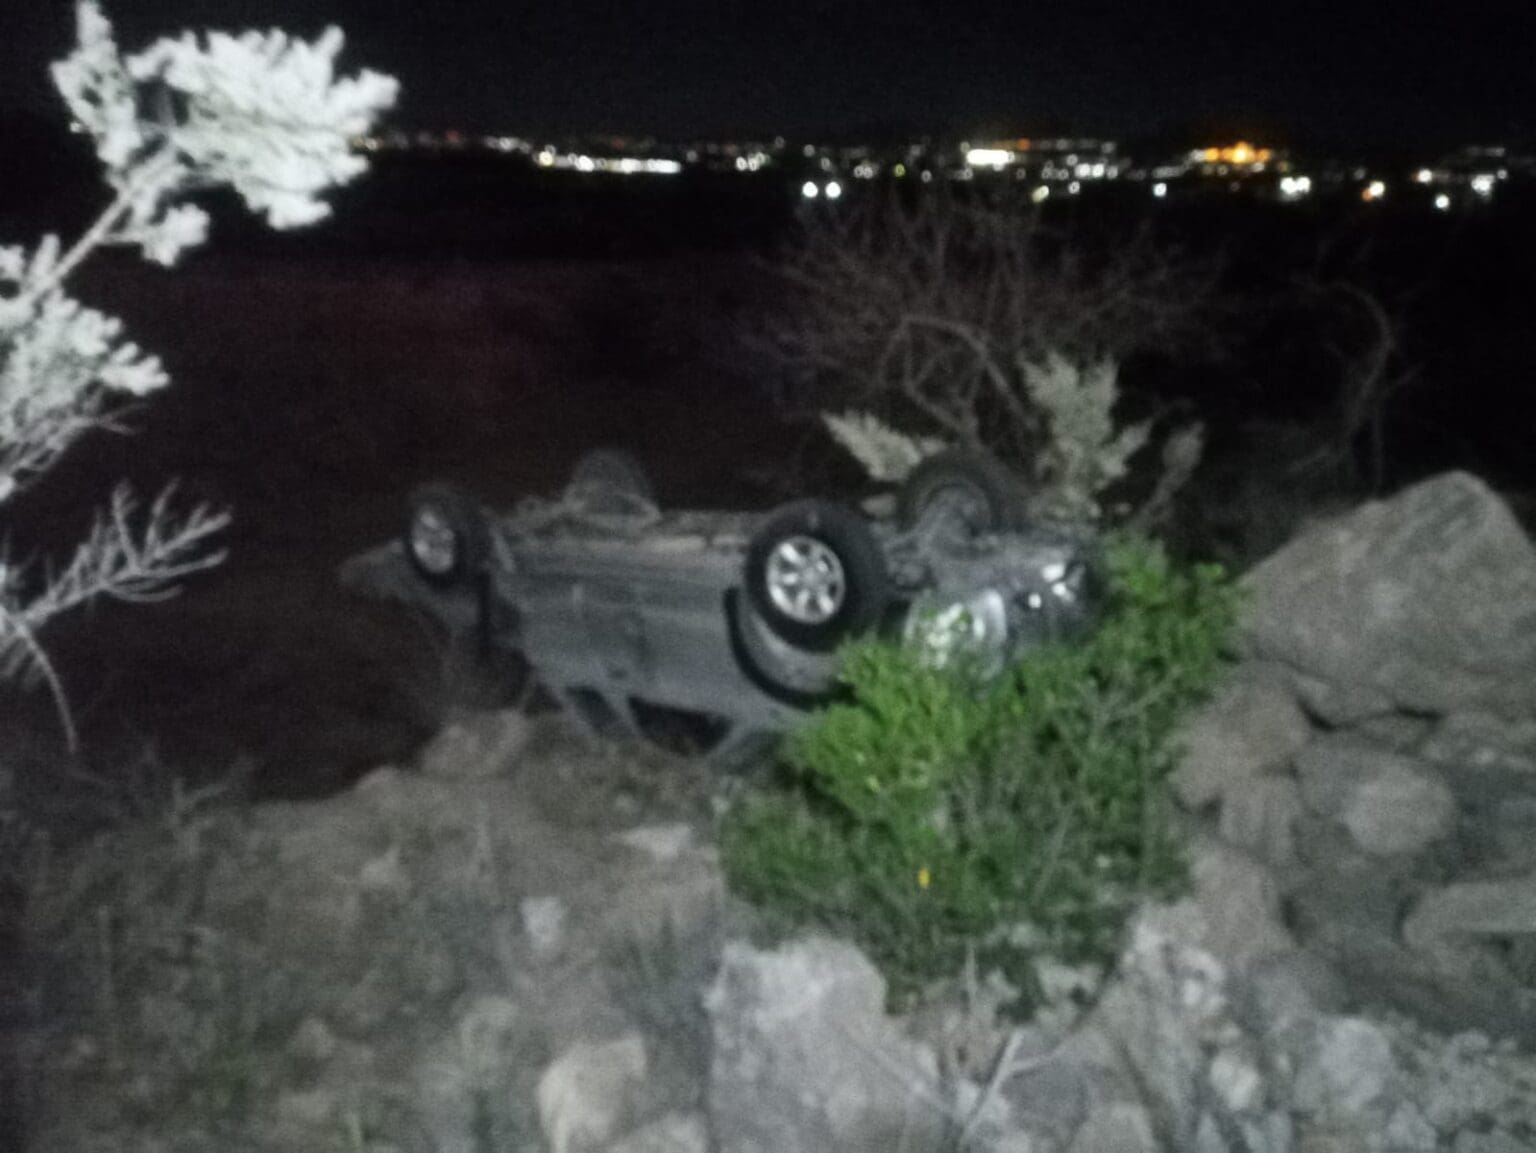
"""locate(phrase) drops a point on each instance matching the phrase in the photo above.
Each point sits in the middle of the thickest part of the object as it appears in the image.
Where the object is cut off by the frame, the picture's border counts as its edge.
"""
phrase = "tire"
(791, 676)
(610, 479)
(446, 538)
(816, 575)
(986, 495)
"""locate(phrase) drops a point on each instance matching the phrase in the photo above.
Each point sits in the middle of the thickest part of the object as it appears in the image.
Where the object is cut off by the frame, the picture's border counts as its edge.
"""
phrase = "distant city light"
(989, 157)
(741, 164)
(927, 177)
(1295, 187)
(810, 190)
(900, 170)
(1159, 190)
(1375, 190)
(1443, 202)
(1482, 184)
(1424, 176)
(834, 190)
(1074, 188)
(1040, 195)
(1239, 155)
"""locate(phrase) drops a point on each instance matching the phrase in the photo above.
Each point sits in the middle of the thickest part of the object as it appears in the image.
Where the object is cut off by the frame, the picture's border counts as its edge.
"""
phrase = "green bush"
(935, 814)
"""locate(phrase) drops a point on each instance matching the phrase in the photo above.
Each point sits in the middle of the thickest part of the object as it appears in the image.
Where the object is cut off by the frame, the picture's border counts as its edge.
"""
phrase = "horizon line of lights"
(1068, 177)
(623, 166)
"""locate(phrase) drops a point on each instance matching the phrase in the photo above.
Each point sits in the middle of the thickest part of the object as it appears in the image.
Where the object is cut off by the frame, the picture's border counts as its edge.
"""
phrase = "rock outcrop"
(1426, 601)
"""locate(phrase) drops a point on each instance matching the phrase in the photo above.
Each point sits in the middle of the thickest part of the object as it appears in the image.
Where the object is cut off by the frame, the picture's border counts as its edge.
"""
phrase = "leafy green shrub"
(936, 814)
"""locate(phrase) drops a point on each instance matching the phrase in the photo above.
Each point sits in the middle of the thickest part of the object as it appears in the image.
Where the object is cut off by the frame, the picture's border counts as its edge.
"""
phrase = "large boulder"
(1428, 599)
(1251, 726)
(805, 1059)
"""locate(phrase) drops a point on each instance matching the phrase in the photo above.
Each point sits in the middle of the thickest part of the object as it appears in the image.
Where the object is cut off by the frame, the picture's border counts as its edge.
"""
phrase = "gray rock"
(1360, 895)
(1485, 760)
(1503, 908)
(307, 1109)
(544, 923)
(1482, 741)
(477, 747)
(466, 1070)
(586, 1096)
(1018, 1141)
(312, 1043)
(805, 1060)
(1123, 1128)
(1349, 1071)
(1408, 1131)
(1260, 817)
(1390, 803)
(1512, 835)
(1428, 598)
(1049, 1099)
(1400, 809)
(1340, 705)
(1252, 726)
(1164, 1012)
(1396, 731)
(385, 874)
(662, 843)
(1497, 1141)
(674, 1133)
(1282, 998)
(1329, 768)
(1238, 902)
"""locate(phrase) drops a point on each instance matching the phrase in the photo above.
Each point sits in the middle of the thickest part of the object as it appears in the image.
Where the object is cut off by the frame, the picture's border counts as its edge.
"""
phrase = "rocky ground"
(520, 940)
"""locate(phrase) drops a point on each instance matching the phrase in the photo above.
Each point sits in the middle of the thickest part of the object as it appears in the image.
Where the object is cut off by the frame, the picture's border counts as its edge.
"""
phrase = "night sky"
(1354, 72)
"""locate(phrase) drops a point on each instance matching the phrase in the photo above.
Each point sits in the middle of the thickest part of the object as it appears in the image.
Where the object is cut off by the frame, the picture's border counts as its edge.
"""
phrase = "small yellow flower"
(923, 877)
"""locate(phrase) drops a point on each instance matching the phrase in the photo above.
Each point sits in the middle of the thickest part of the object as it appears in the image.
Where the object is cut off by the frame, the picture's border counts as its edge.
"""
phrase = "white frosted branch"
(263, 114)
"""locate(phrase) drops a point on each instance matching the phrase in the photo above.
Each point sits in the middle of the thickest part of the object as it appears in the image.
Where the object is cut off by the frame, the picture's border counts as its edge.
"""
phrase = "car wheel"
(816, 575)
(975, 489)
(445, 538)
(610, 479)
(792, 676)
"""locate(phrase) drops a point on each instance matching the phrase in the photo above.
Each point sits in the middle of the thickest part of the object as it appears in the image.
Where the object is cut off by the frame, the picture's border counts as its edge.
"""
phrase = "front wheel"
(816, 575)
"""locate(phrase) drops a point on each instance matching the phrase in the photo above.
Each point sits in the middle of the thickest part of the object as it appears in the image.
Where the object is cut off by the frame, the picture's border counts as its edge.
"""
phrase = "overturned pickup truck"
(621, 609)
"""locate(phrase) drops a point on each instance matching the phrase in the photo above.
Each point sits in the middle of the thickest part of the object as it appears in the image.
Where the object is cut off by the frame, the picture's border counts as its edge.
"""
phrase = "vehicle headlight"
(974, 627)
(434, 543)
(1067, 581)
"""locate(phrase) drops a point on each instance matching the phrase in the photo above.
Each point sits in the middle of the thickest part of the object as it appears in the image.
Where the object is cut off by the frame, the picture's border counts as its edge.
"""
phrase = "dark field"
(455, 322)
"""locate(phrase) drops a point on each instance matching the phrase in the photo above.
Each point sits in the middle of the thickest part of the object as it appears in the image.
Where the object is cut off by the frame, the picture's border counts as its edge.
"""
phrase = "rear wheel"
(970, 489)
(445, 537)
